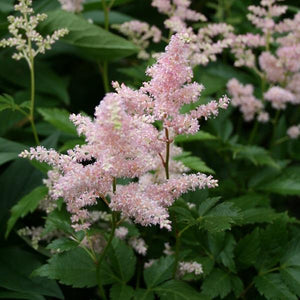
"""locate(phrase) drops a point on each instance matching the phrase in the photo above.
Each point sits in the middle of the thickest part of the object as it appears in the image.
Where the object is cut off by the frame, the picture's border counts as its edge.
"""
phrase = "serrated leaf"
(220, 218)
(272, 287)
(259, 215)
(62, 244)
(248, 248)
(58, 220)
(90, 39)
(121, 291)
(59, 118)
(73, 267)
(290, 266)
(217, 283)
(159, 272)
(227, 254)
(122, 260)
(195, 163)
(16, 267)
(257, 155)
(177, 290)
(143, 294)
(199, 136)
(26, 205)
(291, 277)
(287, 183)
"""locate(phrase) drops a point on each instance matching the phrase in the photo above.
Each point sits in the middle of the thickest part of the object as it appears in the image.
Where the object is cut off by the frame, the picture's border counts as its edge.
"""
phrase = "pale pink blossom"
(190, 267)
(121, 232)
(139, 245)
(279, 97)
(74, 6)
(242, 97)
(294, 131)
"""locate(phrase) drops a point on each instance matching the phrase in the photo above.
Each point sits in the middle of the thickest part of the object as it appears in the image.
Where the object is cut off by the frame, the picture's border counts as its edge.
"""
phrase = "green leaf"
(227, 254)
(272, 287)
(7, 102)
(159, 272)
(16, 267)
(121, 291)
(90, 39)
(220, 217)
(62, 244)
(115, 17)
(177, 290)
(259, 215)
(73, 267)
(290, 266)
(26, 205)
(287, 183)
(97, 4)
(122, 260)
(199, 136)
(59, 118)
(20, 295)
(7, 6)
(257, 155)
(143, 294)
(248, 248)
(220, 283)
(195, 163)
(9, 150)
(58, 220)
(13, 190)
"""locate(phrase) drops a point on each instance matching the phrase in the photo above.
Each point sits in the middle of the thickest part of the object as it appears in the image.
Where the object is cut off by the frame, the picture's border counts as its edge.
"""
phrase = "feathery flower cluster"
(190, 267)
(279, 71)
(207, 42)
(140, 33)
(74, 6)
(294, 131)
(178, 13)
(242, 97)
(25, 38)
(122, 142)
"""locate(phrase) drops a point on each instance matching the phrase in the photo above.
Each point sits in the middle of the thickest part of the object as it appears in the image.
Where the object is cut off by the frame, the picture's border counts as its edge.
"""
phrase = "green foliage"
(59, 118)
(159, 272)
(194, 163)
(90, 40)
(287, 183)
(16, 267)
(217, 217)
(26, 205)
(122, 260)
(69, 267)
(177, 290)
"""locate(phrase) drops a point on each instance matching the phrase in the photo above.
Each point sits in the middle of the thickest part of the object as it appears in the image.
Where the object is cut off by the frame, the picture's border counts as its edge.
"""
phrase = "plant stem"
(103, 254)
(167, 153)
(32, 93)
(30, 61)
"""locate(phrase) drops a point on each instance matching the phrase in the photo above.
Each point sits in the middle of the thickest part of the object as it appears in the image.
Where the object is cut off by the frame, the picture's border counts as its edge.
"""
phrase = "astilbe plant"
(274, 55)
(131, 136)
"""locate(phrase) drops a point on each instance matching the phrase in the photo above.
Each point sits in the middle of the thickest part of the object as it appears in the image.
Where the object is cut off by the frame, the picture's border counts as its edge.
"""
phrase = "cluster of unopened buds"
(25, 38)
